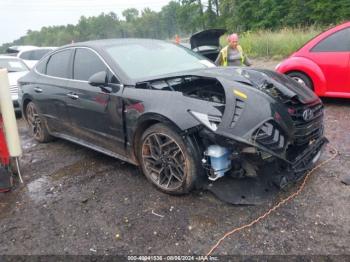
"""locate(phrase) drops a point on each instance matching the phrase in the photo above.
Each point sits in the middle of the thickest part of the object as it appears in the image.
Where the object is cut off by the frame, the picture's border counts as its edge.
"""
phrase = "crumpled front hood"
(267, 80)
(274, 84)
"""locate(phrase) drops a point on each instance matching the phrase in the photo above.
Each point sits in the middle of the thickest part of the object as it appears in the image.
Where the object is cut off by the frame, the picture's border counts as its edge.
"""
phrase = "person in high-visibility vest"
(232, 54)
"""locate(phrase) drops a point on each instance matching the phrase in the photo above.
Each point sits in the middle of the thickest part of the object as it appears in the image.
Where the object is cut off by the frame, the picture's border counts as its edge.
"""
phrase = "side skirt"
(94, 147)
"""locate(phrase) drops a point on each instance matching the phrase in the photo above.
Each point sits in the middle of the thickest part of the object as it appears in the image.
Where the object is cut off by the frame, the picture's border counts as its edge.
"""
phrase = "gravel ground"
(77, 201)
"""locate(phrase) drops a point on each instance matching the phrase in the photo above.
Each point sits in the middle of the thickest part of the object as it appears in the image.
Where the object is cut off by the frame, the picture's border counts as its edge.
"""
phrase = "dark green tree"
(130, 14)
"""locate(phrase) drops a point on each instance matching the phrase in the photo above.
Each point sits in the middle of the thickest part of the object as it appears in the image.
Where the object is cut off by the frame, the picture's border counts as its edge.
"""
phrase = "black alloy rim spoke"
(164, 161)
(34, 121)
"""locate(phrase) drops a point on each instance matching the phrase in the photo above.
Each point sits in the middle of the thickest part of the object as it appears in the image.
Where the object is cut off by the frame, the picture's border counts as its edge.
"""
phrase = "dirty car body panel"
(255, 116)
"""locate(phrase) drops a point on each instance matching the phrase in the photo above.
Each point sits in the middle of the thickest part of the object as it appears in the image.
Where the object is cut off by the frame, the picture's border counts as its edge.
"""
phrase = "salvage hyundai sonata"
(172, 112)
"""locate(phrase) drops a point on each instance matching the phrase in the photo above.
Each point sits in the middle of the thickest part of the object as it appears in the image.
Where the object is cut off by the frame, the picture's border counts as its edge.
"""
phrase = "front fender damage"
(261, 143)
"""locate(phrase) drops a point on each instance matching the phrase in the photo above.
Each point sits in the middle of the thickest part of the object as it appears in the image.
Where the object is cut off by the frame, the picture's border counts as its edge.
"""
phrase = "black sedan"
(172, 112)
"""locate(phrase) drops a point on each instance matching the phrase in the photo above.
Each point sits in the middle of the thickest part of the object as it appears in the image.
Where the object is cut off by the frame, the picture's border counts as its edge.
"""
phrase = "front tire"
(168, 161)
(36, 124)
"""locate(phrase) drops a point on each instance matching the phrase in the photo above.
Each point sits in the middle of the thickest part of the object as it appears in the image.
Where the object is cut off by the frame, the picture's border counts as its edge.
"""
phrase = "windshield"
(34, 55)
(13, 65)
(153, 58)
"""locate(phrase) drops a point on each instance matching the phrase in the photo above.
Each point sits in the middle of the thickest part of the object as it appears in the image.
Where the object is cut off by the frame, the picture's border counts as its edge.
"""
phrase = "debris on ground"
(156, 214)
(346, 180)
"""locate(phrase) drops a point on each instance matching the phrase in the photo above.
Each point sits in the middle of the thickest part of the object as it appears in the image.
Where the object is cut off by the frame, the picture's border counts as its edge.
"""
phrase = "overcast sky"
(17, 16)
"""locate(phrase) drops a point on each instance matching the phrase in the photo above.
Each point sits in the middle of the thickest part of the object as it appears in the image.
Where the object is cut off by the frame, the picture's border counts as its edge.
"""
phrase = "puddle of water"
(37, 189)
(75, 168)
(27, 144)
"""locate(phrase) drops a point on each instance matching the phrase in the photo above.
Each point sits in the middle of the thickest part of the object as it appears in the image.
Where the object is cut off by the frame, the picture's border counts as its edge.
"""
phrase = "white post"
(8, 116)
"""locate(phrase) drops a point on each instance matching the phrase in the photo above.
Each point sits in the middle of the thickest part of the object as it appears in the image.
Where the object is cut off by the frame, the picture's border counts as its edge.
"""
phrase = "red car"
(323, 64)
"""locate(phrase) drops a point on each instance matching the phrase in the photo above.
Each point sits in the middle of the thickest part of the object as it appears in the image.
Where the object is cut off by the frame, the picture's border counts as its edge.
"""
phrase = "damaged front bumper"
(304, 162)
(263, 188)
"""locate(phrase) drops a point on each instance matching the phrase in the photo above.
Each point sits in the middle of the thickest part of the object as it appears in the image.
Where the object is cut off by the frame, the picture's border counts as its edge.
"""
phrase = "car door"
(332, 54)
(51, 89)
(95, 112)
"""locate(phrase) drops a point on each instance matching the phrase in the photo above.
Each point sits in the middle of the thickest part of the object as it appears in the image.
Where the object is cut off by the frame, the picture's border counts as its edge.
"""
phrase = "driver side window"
(86, 63)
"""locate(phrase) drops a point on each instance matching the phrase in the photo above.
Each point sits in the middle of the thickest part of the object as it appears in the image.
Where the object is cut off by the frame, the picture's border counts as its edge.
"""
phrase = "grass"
(274, 44)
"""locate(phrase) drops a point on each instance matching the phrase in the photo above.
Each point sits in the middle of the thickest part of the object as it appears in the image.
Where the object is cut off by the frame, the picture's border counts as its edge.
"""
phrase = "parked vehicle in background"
(323, 64)
(207, 42)
(16, 68)
(173, 112)
(15, 49)
(32, 55)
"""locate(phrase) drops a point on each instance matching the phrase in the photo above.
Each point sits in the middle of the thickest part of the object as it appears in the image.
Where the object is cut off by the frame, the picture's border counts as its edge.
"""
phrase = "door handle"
(38, 90)
(73, 96)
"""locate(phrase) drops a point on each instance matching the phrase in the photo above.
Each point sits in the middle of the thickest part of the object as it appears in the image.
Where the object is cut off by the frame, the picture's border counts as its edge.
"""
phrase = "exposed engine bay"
(207, 89)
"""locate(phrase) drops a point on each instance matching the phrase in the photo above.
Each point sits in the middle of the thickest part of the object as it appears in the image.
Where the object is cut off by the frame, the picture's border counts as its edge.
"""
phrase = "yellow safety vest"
(224, 52)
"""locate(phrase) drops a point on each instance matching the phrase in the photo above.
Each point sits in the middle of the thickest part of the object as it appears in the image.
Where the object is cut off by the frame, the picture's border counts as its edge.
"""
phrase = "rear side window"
(86, 63)
(26, 55)
(337, 42)
(38, 54)
(41, 66)
(59, 64)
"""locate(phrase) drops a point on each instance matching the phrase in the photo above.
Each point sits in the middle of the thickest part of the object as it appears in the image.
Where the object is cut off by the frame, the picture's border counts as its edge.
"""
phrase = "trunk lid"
(210, 37)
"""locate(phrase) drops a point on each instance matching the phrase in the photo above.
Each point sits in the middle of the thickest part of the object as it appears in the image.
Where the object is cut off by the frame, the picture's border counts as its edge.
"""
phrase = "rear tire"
(36, 124)
(168, 161)
(302, 79)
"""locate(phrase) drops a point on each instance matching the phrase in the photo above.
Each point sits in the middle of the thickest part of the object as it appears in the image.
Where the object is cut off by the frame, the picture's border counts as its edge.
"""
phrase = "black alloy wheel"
(37, 127)
(166, 160)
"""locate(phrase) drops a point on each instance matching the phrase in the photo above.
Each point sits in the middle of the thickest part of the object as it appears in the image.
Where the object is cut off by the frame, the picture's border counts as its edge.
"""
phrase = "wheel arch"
(305, 74)
(26, 101)
(307, 67)
(144, 122)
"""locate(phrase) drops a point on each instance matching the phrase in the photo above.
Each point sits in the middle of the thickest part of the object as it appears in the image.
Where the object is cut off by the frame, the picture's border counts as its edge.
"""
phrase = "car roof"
(18, 48)
(37, 48)
(101, 45)
(110, 42)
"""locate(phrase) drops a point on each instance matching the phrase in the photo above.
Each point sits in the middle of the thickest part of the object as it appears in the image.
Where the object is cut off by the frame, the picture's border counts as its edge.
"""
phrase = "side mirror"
(99, 79)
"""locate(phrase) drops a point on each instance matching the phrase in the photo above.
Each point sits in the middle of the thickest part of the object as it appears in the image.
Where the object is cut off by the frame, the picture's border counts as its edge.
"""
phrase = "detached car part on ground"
(171, 111)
